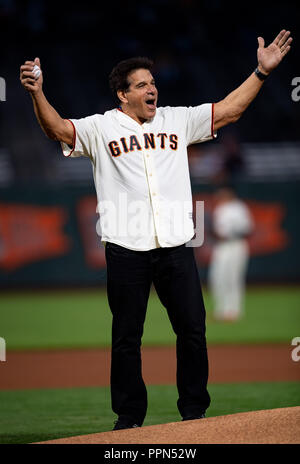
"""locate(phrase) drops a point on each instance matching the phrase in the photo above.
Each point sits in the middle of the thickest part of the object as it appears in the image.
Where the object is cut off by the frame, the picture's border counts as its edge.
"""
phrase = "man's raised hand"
(270, 57)
(27, 76)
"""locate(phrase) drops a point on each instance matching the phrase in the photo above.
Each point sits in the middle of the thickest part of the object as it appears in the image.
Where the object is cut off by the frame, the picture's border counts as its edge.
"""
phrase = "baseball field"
(55, 381)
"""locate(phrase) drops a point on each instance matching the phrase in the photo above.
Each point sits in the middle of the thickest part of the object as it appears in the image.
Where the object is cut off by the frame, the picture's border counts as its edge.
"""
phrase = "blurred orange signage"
(31, 233)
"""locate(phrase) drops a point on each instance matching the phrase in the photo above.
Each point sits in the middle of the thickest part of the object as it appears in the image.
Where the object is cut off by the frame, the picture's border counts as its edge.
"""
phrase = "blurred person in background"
(231, 225)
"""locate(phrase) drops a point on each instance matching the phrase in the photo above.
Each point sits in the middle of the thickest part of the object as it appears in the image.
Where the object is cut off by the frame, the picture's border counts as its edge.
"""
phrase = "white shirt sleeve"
(84, 137)
(200, 123)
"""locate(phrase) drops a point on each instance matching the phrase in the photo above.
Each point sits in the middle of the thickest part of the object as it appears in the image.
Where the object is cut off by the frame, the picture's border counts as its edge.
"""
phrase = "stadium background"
(202, 50)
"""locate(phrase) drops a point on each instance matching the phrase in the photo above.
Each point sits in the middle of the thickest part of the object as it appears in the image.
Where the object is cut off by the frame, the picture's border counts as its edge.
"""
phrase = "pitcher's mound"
(268, 426)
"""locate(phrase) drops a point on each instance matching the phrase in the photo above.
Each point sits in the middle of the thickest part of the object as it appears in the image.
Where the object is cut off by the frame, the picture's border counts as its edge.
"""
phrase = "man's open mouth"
(151, 103)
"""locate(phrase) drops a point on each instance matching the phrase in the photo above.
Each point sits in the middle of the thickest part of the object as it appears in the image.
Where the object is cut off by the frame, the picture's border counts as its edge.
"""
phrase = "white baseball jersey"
(232, 220)
(141, 173)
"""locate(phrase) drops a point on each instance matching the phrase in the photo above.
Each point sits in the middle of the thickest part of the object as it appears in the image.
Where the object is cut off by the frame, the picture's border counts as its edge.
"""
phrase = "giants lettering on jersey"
(126, 144)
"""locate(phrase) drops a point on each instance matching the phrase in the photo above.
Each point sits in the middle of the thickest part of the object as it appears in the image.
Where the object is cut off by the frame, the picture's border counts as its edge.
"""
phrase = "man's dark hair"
(118, 76)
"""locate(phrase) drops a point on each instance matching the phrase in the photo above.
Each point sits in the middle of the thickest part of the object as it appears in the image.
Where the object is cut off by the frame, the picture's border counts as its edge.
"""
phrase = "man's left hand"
(270, 57)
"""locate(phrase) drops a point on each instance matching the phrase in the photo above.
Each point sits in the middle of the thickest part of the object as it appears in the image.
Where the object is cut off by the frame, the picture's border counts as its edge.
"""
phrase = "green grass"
(36, 415)
(67, 319)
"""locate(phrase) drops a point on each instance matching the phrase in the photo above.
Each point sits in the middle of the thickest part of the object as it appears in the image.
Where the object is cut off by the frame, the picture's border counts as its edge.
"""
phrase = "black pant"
(174, 274)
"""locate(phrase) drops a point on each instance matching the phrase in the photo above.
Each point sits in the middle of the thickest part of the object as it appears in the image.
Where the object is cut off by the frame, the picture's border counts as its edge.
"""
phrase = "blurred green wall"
(48, 235)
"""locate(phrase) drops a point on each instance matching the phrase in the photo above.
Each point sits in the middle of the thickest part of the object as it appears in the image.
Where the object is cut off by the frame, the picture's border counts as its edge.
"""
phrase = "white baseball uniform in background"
(231, 222)
(141, 173)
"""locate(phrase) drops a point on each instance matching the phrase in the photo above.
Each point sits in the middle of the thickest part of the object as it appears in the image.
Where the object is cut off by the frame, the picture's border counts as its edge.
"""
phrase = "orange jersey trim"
(212, 119)
(73, 141)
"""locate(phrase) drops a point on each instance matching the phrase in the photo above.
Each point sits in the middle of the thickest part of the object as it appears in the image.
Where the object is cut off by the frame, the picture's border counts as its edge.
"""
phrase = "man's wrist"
(37, 94)
(261, 73)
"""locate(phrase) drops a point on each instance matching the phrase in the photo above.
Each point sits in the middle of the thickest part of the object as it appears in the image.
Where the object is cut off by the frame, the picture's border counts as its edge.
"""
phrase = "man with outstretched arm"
(139, 156)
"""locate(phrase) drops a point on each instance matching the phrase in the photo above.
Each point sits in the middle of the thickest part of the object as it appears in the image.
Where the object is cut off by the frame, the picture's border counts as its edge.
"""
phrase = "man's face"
(141, 96)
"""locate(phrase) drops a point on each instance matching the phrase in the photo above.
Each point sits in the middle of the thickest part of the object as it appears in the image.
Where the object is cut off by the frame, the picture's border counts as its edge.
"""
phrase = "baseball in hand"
(36, 71)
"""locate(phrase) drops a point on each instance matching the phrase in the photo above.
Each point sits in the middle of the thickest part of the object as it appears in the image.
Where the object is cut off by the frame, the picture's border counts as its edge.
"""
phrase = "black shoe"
(121, 424)
(200, 416)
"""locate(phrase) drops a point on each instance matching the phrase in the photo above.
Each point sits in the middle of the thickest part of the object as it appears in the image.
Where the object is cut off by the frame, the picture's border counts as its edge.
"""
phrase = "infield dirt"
(80, 368)
(274, 426)
(91, 367)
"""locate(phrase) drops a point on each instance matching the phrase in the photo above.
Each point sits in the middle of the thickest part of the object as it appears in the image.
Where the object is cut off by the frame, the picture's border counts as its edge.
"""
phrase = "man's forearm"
(240, 98)
(50, 121)
(231, 108)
